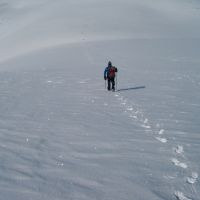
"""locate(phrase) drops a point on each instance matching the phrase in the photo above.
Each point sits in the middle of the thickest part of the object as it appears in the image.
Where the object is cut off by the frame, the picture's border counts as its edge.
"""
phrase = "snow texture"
(64, 136)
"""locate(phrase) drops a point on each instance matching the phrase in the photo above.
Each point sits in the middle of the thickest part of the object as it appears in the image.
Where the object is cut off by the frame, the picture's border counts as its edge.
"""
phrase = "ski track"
(138, 115)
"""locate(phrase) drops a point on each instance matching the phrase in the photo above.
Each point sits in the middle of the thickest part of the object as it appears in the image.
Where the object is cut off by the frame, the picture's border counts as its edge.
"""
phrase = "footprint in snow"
(178, 163)
(163, 140)
(130, 109)
(146, 126)
(180, 196)
(193, 178)
(179, 149)
(133, 116)
(161, 132)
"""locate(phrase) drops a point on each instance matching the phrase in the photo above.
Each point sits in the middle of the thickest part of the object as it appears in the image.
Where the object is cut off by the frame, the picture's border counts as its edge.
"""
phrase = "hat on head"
(109, 64)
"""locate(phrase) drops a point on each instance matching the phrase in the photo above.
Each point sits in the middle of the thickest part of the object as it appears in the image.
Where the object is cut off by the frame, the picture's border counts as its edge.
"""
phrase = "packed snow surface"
(64, 136)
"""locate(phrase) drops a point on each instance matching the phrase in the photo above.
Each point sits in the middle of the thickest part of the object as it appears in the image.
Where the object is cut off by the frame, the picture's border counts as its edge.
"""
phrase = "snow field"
(63, 136)
(87, 140)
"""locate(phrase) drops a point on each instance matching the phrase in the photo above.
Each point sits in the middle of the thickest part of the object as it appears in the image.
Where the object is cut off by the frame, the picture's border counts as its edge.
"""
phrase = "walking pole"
(116, 81)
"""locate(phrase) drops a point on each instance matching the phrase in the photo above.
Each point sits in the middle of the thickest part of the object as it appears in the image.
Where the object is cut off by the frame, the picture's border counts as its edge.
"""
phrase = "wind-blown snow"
(63, 136)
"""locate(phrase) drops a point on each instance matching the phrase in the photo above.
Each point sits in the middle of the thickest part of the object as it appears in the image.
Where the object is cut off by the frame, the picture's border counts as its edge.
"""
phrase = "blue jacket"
(106, 72)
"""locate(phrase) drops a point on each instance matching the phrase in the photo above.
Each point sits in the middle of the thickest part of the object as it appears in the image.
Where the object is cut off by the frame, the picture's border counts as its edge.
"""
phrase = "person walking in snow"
(109, 75)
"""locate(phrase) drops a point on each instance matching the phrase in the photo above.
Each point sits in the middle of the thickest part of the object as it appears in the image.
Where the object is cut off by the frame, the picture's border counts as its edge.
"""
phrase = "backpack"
(111, 72)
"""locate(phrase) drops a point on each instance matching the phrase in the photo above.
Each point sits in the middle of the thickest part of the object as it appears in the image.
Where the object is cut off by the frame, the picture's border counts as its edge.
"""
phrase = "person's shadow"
(131, 88)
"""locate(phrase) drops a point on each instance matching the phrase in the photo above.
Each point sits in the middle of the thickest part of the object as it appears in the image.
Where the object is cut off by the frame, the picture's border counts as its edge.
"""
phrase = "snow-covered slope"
(28, 25)
(63, 136)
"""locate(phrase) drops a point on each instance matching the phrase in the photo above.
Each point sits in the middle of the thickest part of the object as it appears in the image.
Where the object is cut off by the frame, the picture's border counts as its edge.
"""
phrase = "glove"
(105, 78)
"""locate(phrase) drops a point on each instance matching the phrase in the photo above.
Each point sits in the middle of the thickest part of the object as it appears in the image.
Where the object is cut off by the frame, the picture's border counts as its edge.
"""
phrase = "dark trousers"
(111, 82)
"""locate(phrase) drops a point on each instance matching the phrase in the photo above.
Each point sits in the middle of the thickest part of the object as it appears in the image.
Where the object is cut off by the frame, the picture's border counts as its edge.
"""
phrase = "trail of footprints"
(159, 134)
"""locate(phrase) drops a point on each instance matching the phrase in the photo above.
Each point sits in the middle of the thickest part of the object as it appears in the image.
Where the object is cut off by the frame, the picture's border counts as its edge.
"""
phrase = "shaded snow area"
(64, 136)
